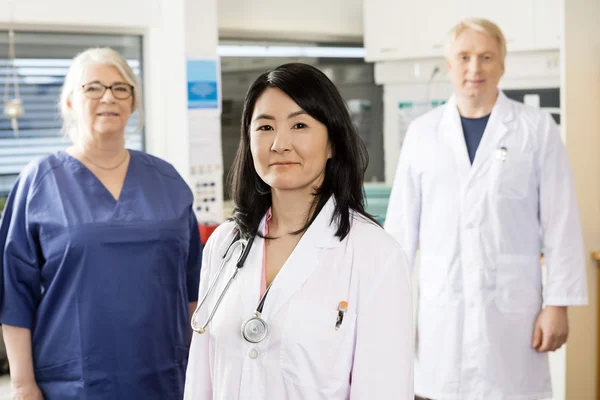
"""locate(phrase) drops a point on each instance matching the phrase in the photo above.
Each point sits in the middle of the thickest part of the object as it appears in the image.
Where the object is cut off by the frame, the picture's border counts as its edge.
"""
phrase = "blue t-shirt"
(473, 129)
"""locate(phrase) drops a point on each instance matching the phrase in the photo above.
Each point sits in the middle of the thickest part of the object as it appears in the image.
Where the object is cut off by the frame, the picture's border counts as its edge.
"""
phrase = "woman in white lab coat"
(321, 306)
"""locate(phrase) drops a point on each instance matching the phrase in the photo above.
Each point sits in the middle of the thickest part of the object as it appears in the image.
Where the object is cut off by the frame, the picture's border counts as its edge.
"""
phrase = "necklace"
(107, 168)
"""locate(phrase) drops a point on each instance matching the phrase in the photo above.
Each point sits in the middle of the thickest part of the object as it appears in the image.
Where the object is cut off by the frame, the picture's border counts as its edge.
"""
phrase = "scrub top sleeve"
(194, 261)
(20, 277)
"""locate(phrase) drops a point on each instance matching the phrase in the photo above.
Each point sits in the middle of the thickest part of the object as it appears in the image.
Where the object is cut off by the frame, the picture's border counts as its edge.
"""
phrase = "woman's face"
(100, 111)
(289, 147)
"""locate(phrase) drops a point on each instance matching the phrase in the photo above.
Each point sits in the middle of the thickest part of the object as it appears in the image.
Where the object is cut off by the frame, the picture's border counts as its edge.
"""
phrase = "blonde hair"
(479, 25)
(72, 82)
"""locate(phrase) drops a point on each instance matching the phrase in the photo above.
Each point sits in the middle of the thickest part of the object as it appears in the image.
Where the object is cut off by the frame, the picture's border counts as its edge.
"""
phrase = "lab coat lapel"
(305, 258)
(495, 130)
(452, 134)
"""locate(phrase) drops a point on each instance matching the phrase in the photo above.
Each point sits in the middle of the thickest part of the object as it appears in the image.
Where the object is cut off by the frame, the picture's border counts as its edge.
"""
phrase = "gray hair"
(95, 56)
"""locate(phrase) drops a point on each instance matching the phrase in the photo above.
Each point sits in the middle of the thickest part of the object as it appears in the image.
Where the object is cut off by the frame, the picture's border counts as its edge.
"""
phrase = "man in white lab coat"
(483, 186)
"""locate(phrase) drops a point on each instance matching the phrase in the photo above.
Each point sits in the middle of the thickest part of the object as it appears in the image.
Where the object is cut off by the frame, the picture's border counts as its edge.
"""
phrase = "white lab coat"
(371, 356)
(479, 230)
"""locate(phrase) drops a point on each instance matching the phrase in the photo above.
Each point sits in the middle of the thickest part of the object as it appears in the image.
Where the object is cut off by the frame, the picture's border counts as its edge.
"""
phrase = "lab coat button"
(469, 226)
(253, 354)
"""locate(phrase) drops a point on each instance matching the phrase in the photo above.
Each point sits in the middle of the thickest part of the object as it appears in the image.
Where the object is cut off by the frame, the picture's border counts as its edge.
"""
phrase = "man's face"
(475, 65)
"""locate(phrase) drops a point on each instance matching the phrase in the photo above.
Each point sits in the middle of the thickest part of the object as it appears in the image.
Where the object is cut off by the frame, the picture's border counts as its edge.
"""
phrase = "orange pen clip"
(342, 308)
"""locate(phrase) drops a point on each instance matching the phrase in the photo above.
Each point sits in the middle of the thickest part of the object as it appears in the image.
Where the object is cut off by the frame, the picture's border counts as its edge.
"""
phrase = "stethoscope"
(254, 329)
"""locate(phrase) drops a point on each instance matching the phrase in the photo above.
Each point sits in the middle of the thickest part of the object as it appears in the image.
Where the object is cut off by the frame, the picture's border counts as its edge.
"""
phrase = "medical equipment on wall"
(254, 329)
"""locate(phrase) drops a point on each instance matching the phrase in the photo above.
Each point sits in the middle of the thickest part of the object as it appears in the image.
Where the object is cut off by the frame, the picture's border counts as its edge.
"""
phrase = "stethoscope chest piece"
(254, 329)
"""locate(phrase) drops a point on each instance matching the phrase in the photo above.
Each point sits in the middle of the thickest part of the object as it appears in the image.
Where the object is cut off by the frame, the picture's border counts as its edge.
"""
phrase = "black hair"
(315, 94)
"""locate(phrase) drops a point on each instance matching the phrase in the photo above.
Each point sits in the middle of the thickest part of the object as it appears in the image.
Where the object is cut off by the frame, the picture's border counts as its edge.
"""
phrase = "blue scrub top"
(104, 285)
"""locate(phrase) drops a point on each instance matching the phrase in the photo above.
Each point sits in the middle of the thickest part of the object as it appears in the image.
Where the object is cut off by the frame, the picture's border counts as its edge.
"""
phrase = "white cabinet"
(388, 30)
(436, 19)
(403, 29)
(514, 17)
(398, 29)
(547, 25)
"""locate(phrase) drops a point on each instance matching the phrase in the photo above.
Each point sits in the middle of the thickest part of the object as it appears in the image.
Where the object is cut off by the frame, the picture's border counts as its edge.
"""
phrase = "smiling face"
(106, 115)
(289, 147)
(475, 66)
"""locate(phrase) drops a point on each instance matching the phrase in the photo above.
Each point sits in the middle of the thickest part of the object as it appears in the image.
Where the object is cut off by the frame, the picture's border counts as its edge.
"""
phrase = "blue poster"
(202, 84)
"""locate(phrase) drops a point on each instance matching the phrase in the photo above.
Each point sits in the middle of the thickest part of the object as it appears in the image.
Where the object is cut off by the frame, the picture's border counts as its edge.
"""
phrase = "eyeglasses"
(95, 90)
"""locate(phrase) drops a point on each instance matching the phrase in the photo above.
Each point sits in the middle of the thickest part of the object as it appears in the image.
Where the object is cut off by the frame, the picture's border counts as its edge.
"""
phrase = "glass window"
(42, 61)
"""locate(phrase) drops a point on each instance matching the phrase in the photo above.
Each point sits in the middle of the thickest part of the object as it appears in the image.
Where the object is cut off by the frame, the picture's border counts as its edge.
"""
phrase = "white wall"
(330, 20)
(581, 98)
(103, 15)
(323, 20)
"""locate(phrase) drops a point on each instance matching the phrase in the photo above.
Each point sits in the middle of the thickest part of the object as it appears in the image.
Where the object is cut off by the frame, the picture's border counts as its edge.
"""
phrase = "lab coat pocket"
(518, 284)
(313, 353)
(513, 174)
